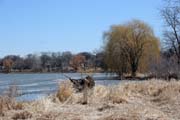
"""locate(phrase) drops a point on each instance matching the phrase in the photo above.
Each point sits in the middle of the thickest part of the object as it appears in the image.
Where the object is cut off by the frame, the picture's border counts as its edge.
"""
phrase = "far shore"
(46, 72)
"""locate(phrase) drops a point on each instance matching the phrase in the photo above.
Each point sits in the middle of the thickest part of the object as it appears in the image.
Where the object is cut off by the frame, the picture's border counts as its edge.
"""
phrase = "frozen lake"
(34, 86)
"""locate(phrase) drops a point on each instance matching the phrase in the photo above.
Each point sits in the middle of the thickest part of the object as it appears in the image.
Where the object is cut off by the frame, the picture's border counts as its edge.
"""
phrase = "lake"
(35, 86)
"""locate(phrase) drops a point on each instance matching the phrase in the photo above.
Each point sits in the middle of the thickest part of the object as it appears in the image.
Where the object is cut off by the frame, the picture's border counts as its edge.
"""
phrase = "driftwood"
(82, 84)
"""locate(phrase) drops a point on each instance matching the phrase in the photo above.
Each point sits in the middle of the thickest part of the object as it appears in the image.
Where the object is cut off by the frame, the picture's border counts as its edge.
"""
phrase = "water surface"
(34, 86)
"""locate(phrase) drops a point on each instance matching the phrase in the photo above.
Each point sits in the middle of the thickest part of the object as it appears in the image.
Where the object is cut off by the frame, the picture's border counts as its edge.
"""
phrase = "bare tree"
(45, 60)
(19, 64)
(36, 64)
(171, 16)
(66, 57)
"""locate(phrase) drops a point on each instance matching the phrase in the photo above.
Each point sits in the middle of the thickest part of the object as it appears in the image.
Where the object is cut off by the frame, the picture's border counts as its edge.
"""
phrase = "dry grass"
(22, 115)
(65, 91)
(7, 103)
(145, 100)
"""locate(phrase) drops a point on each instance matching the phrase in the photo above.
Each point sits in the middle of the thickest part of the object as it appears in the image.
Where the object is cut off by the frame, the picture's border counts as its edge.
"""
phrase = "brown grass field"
(145, 100)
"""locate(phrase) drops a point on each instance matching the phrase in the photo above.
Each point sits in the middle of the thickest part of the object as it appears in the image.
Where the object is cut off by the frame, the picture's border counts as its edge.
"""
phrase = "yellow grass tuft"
(65, 91)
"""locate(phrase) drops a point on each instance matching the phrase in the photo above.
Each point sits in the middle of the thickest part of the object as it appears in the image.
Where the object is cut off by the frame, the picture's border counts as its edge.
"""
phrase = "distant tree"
(66, 57)
(36, 64)
(166, 67)
(100, 60)
(89, 59)
(77, 61)
(45, 60)
(127, 45)
(7, 64)
(12, 57)
(16, 60)
(33, 63)
(28, 62)
(1, 61)
(19, 64)
(87, 55)
(1, 64)
(56, 61)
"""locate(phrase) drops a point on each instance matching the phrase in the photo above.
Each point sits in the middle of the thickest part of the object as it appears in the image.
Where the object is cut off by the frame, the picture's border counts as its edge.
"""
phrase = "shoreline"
(52, 72)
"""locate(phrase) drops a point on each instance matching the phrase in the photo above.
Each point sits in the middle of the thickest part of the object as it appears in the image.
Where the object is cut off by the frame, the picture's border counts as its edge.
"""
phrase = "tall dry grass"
(145, 100)
(157, 97)
(121, 93)
(8, 102)
(65, 91)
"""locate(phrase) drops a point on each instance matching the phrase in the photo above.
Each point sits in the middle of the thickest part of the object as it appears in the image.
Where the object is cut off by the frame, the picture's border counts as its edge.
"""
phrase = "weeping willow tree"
(130, 46)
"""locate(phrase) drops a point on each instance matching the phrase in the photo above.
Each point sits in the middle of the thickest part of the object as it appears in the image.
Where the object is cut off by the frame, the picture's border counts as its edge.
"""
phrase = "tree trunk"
(133, 74)
(133, 69)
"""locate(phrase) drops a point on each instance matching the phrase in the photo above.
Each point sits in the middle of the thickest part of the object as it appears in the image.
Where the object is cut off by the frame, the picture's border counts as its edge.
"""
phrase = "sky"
(31, 26)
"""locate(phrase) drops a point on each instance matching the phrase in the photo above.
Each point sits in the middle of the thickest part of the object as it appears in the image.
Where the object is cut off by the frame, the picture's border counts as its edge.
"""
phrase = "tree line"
(53, 62)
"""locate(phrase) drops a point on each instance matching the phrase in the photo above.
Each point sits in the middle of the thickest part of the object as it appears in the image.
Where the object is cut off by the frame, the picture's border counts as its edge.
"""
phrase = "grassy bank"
(146, 100)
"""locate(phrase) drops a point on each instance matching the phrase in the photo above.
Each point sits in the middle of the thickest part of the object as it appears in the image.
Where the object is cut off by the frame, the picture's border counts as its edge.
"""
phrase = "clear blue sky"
(28, 26)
